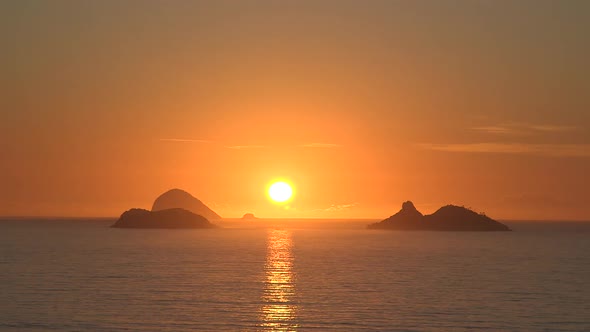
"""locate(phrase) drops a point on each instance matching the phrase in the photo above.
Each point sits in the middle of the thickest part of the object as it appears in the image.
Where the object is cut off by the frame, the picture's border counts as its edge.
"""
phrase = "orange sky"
(360, 104)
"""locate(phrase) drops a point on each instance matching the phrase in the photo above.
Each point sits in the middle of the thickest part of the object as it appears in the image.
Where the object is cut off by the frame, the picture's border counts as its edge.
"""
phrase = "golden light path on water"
(278, 311)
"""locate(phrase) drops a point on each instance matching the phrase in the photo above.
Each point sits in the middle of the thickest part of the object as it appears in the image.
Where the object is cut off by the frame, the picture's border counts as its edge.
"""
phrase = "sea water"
(286, 275)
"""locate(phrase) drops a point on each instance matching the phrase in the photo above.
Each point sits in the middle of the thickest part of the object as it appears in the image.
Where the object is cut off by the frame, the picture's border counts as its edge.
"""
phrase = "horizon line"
(7, 218)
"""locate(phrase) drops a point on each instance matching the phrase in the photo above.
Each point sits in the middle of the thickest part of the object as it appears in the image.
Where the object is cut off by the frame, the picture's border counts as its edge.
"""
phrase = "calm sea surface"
(80, 275)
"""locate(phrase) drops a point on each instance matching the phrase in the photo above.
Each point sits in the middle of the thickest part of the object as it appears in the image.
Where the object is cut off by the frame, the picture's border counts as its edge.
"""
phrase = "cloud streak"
(499, 130)
(522, 129)
(320, 145)
(337, 207)
(548, 150)
(184, 140)
(242, 147)
(552, 128)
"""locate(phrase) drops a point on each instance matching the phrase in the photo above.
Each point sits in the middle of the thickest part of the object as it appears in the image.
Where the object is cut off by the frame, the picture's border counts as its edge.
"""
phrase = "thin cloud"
(495, 130)
(338, 207)
(320, 145)
(233, 147)
(184, 140)
(522, 129)
(552, 128)
(241, 147)
(548, 150)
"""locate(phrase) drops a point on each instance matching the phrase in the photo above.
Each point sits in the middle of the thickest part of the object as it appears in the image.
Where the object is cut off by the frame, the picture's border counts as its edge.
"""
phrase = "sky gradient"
(361, 105)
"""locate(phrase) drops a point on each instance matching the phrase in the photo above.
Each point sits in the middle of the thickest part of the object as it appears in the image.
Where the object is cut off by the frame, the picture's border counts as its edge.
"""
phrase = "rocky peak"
(409, 210)
(177, 198)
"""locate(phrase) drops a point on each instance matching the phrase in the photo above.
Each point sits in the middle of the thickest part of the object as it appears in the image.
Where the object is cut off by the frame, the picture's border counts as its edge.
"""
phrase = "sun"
(280, 191)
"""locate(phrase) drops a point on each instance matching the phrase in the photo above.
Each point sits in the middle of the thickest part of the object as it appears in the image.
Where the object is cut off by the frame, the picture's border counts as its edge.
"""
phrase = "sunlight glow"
(280, 191)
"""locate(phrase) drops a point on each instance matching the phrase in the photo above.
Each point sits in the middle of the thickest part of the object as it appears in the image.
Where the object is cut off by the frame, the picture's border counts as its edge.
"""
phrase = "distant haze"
(361, 105)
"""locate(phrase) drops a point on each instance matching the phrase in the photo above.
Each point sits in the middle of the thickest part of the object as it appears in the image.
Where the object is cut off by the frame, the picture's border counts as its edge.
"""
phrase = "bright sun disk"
(280, 191)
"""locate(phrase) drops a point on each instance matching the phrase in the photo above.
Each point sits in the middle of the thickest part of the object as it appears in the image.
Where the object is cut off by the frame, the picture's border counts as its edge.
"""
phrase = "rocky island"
(447, 218)
(170, 218)
(178, 198)
(249, 216)
(173, 209)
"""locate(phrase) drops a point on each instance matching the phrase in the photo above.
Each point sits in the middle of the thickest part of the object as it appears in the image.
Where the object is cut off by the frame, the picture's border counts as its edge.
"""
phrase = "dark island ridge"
(173, 209)
(249, 216)
(169, 218)
(178, 209)
(447, 218)
(177, 198)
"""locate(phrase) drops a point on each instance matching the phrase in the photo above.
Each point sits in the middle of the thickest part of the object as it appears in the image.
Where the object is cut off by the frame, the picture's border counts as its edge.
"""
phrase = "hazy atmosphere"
(359, 105)
(294, 165)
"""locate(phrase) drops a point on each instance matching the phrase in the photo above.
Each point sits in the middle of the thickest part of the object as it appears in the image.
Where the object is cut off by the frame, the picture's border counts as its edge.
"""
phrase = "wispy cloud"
(501, 130)
(337, 207)
(185, 140)
(549, 150)
(552, 128)
(320, 145)
(522, 129)
(233, 147)
(241, 147)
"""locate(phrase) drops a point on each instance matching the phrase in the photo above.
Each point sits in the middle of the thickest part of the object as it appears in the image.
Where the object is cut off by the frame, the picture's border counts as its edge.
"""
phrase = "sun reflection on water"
(278, 312)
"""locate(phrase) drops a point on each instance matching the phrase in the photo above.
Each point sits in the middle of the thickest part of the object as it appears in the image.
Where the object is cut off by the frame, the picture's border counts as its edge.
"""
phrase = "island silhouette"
(249, 216)
(169, 218)
(175, 208)
(178, 198)
(447, 218)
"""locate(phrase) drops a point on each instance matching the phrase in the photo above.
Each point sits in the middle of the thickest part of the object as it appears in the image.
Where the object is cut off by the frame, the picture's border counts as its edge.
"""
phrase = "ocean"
(289, 275)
